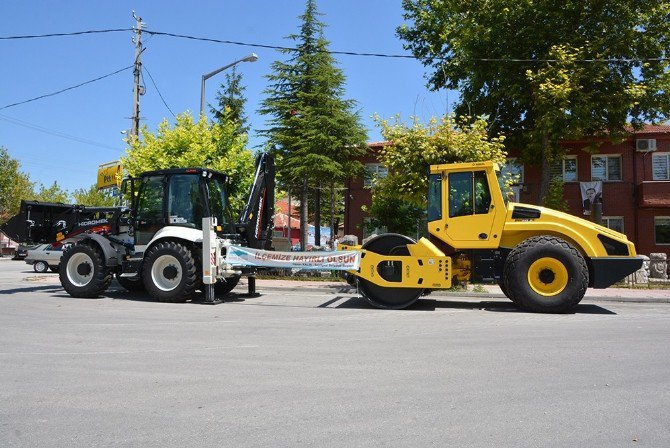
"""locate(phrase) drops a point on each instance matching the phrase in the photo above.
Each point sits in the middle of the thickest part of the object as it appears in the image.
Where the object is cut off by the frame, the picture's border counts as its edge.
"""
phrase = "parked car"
(45, 257)
(22, 251)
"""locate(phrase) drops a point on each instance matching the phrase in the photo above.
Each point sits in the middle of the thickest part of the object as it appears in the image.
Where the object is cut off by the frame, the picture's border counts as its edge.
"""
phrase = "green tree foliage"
(314, 132)
(231, 101)
(93, 197)
(54, 193)
(554, 198)
(416, 146)
(195, 144)
(545, 70)
(14, 185)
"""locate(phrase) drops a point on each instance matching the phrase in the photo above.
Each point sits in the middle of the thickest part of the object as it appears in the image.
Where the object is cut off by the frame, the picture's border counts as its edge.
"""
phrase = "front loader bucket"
(35, 222)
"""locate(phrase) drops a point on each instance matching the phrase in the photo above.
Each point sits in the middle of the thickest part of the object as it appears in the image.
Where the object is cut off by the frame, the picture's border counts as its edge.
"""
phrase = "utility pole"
(138, 89)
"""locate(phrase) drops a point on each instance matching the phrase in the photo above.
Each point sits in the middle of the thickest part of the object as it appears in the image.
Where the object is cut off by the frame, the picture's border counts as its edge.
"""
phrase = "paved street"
(304, 368)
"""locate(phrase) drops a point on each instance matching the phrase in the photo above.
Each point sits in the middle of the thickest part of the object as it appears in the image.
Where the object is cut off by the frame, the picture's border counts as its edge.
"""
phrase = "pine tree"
(231, 101)
(313, 131)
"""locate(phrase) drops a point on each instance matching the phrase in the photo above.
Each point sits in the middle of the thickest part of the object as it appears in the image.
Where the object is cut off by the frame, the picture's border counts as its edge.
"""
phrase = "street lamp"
(250, 58)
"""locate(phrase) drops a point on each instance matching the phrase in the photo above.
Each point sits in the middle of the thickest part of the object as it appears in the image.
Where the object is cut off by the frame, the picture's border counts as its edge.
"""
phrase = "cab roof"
(204, 172)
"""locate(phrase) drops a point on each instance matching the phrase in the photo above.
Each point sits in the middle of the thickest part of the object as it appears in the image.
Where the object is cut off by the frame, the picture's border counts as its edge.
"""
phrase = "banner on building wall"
(335, 260)
(592, 192)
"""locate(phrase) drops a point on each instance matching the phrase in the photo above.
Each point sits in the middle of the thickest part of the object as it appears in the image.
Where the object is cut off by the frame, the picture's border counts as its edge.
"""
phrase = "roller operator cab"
(542, 259)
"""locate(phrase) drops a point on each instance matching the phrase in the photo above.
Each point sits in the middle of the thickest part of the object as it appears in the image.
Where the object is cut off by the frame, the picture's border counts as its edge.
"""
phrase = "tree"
(414, 148)
(14, 185)
(313, 131)
(189, 144)
(93, 197)
(231, 101)
(545, 71)
(54, 193)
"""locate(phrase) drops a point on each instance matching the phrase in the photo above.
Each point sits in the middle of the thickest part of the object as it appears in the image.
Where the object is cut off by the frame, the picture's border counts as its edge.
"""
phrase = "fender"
(112, 256)
(177, 232)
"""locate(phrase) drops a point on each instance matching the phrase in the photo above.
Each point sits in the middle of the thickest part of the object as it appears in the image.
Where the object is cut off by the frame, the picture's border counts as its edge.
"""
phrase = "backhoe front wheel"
(546, 274)
(169, 272)
(84, 272)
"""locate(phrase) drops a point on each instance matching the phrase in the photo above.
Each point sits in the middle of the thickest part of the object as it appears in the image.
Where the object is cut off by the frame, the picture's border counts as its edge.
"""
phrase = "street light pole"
(250, 58)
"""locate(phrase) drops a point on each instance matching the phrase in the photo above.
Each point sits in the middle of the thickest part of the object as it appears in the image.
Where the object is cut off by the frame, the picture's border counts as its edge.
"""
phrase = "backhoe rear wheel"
(170, 273)
(546, 274)
(382, 297)
(84, 272)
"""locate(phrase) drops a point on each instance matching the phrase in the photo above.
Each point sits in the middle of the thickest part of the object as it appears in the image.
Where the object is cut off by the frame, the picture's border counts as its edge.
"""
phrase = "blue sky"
(65, 137)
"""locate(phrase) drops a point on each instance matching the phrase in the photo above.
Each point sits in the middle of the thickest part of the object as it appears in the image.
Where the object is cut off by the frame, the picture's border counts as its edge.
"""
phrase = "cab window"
(469, 194)
(482, 193)
(434, 197)
(185, 201)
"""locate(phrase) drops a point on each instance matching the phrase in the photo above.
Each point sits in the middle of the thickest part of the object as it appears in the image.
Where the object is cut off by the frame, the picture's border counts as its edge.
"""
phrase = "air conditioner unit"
(645, 144)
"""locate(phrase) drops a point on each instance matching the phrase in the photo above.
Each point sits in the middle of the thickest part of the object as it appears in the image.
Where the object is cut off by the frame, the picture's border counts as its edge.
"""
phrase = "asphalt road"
(307, 369)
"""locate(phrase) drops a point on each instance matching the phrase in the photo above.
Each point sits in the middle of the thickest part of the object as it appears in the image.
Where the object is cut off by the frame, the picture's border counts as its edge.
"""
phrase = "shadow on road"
(486, 305)
(44, 288)
(117, 292)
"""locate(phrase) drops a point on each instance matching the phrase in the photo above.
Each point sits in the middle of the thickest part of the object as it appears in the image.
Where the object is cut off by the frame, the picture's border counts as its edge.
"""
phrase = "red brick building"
(635, 176)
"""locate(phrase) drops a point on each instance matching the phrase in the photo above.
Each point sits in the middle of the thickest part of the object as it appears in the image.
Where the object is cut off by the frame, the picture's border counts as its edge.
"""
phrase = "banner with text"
(335, 260)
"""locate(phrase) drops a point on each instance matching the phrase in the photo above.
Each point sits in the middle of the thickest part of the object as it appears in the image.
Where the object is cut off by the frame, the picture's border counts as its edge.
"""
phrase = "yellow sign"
(109, 175)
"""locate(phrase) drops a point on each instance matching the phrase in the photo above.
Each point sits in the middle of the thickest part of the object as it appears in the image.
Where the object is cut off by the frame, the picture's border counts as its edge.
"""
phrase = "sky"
(65, 137)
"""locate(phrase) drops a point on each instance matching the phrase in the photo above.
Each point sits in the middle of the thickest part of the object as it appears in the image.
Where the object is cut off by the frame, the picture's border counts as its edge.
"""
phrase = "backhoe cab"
(542, 259)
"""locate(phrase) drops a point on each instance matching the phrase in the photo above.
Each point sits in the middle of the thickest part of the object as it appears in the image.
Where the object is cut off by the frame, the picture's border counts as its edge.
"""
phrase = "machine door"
(150, 210)
(186, 201)
(470, 209)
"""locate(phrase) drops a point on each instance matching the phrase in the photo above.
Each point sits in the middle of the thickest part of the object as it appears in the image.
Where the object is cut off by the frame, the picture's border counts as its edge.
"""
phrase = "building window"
(606, 167)
(613, 222)
(512, 169)
(373, 172)
(660, 166)
(662, 229)
(565, 169)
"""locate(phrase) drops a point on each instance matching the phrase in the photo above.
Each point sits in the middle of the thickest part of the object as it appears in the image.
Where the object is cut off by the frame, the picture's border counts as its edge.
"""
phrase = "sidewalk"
(490, 291)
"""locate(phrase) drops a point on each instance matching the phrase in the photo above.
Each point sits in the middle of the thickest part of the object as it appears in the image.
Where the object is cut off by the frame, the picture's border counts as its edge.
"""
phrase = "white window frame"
(521, 169)
(606, 224)
(656, 218)
(372, 173)
(607, 174)
(666, 155)
(562, 162)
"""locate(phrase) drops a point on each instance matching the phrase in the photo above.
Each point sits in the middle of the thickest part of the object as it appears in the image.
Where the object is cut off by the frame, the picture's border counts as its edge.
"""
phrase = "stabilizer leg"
(210, 298)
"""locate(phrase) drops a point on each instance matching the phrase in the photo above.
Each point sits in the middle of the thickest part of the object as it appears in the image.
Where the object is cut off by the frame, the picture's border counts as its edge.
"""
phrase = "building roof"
(653, 129)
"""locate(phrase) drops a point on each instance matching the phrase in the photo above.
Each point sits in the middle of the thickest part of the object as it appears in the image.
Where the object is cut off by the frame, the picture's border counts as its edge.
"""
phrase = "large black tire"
(223, 287)
(546, 274)
(132, 284)
(170, 272)
(40, 266)
(382, 297)
(84, 272)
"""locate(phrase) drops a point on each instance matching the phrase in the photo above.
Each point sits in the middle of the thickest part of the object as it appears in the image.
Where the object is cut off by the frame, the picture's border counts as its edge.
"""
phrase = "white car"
(45, 257)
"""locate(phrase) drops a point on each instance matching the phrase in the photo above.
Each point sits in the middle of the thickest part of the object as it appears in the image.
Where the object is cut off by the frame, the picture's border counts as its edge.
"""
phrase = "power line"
(157, 90)
(67, 88)
(56, 133)
(346, 53)
(398, 56)
(271, 47)
(75, 33)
